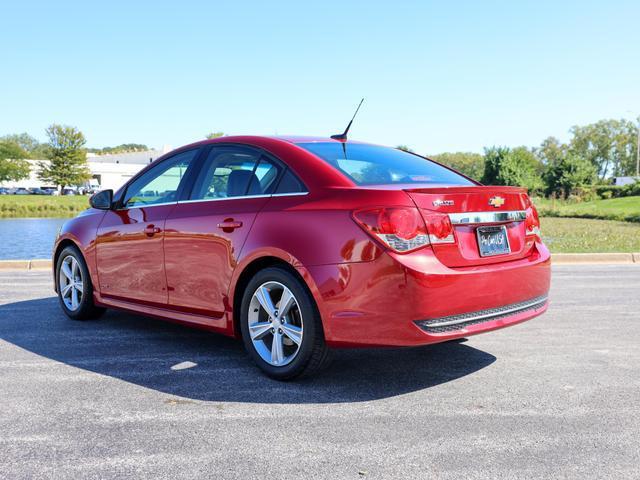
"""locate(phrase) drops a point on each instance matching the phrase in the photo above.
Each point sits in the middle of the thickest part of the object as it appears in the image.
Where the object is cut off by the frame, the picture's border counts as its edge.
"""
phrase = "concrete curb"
(593, 258)
(556, 258)
(35, 264)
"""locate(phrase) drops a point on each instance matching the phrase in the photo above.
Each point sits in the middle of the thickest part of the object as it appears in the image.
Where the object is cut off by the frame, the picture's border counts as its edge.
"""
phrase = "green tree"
(404, 148)
(215, 135)
(493, 159)
(13, 167)
(68, 159)
(24, 140)
(609, 145)
(123, 148)
(517, 166)
(568, 174)
(470, 164)
(551, 151)
(34, 149)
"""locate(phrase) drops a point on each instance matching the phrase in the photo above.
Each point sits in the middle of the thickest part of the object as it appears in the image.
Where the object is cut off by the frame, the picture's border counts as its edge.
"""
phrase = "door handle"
(229, 225)
(151, 230)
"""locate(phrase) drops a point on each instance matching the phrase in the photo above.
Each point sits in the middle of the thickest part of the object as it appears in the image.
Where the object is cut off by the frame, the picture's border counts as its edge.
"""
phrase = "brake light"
(400, 228)
(439, 227)
(532, 221)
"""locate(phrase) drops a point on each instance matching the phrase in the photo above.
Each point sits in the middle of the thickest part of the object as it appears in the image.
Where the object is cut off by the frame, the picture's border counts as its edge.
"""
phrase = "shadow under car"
(142, 351)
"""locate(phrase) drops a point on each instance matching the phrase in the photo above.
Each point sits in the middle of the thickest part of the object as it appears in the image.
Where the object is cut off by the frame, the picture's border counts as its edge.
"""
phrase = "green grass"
(581, 235)
(624, 209)
(35, 206)
(567, 235)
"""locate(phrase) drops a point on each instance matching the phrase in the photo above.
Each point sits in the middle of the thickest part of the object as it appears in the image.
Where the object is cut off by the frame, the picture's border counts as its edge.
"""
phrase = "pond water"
(28, 238)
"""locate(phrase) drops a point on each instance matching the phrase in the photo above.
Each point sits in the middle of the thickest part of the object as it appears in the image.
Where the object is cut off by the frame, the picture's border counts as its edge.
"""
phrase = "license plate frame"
(489, 248)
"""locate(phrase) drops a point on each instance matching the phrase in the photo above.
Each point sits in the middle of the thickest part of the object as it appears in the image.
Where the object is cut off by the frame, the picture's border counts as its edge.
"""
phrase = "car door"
(205, 232)
(129, 244)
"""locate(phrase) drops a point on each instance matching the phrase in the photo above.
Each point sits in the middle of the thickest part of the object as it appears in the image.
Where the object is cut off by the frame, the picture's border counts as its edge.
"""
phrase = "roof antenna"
(343, 136)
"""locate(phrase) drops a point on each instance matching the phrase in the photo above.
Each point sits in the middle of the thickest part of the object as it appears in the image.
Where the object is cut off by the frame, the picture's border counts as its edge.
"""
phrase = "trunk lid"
(476, 206)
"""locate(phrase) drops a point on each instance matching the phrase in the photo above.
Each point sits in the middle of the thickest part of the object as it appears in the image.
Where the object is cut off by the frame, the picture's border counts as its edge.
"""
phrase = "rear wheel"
(281, 326)
(75, 291)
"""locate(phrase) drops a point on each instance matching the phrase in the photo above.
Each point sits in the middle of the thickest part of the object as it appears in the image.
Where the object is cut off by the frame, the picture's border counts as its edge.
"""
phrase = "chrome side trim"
(294, 194)
(484, 315)
(242, 197)
(151, 205)
(466, 218)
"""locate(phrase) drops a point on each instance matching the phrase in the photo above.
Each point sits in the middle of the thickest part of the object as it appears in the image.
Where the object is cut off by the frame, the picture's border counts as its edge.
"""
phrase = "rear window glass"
(376, 165)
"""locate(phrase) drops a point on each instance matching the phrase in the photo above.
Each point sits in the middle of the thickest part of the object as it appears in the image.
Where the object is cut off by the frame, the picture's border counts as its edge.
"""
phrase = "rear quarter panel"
(318, 228)
(314, 229)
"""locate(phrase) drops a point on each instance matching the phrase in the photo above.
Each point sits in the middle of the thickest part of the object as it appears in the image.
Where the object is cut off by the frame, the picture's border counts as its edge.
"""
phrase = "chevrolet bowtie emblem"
(496, 201)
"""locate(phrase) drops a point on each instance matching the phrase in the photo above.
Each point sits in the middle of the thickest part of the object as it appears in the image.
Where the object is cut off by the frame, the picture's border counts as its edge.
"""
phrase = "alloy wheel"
(70, 283)
(275, 323)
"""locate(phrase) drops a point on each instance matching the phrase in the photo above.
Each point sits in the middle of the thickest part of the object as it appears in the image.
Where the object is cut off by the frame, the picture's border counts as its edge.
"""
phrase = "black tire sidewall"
(311, 323)
(86, 304)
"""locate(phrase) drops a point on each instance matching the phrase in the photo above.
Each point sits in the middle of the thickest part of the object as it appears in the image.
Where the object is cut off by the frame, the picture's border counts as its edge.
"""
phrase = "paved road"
(555, 397)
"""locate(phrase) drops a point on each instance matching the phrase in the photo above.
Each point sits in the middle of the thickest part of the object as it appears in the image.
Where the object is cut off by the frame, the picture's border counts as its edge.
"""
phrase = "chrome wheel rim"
(70, 284)
(275, 324)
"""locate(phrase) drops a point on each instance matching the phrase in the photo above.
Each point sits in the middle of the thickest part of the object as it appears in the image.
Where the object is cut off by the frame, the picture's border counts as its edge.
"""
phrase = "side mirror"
(102, 200)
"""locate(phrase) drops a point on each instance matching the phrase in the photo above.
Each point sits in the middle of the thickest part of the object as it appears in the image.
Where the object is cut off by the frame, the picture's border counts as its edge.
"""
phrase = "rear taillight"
(532, 221)
(401, 229)
(439, 227)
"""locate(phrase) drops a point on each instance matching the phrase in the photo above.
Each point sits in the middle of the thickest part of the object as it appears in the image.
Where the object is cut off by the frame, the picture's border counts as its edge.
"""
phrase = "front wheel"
(75, 291)
(281, 326)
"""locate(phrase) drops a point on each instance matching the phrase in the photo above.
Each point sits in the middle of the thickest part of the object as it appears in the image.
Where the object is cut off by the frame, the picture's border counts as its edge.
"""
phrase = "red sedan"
(297, 245)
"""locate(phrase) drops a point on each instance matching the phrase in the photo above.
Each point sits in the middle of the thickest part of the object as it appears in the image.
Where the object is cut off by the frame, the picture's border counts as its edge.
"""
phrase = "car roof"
(252, 139)
(313, 171)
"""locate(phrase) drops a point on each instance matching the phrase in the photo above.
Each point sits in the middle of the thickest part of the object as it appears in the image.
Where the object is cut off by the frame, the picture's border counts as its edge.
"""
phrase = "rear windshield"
(376, 165)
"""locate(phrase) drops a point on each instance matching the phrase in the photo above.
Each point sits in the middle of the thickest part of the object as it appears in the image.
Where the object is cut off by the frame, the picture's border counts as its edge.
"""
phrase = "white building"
(620, 181)
(107, 171)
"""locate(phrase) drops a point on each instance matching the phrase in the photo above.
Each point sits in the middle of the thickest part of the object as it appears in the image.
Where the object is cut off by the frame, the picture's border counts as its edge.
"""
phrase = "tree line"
(594, 154)
(65, 151)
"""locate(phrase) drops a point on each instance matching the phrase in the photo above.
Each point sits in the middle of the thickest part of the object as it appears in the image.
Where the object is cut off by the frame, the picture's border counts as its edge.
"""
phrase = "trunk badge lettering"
(440, 203)
(496, 201)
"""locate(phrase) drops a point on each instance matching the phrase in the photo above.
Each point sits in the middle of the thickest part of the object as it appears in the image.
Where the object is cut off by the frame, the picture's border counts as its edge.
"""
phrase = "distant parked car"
(68, 191)
(51, 191)
(21, 191)
(4, 191)
(38, 191)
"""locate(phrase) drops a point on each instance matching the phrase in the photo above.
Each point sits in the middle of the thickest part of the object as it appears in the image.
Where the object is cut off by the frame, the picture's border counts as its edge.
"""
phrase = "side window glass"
(160, 184)
(226, 172)
(265, 178)
(231, 171)
(290, 184)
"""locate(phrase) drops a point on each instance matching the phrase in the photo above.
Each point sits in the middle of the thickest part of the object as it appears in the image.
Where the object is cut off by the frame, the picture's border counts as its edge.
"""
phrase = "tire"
(76, 301)
(300, 320)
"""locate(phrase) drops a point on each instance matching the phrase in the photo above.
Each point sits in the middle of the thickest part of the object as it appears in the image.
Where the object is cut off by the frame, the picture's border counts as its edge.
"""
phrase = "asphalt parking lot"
(556, 397)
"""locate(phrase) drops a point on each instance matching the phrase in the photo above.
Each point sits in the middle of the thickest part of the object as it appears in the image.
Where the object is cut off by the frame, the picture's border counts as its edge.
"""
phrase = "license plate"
(493, 241)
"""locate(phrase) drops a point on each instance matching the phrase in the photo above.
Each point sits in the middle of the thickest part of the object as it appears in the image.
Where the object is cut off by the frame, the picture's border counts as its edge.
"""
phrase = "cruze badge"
(496, 201)
(440, 203)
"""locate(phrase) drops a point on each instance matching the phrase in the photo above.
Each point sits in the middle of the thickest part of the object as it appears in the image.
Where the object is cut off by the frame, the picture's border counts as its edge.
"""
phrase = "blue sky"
(437, 76)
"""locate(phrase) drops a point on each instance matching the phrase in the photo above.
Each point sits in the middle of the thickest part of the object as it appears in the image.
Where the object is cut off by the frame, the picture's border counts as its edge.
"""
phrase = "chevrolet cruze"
(300, 245)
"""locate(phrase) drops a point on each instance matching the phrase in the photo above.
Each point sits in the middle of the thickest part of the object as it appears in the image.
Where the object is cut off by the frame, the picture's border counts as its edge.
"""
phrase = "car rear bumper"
(406, 300)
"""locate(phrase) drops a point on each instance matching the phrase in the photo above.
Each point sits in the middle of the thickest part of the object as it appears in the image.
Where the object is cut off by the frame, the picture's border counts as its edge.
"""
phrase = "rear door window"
(235, 171)
(290, 184)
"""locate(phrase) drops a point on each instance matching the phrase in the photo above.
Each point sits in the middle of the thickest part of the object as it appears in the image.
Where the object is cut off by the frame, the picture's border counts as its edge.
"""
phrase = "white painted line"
(184, 365)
